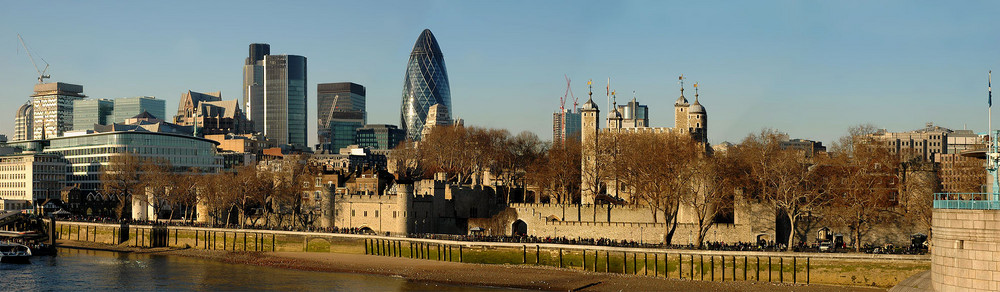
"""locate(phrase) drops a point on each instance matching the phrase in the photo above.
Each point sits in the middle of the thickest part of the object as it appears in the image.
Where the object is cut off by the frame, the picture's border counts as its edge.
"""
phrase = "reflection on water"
(100, 270)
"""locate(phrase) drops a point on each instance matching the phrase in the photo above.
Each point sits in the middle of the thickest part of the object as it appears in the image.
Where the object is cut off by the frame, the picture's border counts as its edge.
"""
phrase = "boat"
(14, 253)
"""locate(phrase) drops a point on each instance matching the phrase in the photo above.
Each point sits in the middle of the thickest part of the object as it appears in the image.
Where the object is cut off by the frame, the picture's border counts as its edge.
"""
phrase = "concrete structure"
(52, 106)
(379, 136)
(565, 125)
(127, 107)
(30, 180)
(809, 147)
(925, 144)
(333, 98)
(342, 127)
(90, 112)
(437, 115)
(23, 120)
(425, 84)
(245, 143)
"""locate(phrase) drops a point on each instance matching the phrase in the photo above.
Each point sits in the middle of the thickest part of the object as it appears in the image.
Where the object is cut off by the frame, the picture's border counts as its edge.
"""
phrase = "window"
(352, 213)
(376, 214)
(366, 214)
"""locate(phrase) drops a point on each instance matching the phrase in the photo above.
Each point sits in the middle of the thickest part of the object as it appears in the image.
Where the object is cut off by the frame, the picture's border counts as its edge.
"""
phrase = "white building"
(31, 179)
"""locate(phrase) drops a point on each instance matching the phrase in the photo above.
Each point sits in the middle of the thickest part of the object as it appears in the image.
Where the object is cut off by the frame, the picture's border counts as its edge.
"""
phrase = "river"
(75, 269)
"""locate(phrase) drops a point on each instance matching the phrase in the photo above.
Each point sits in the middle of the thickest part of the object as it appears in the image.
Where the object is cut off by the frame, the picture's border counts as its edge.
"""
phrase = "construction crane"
(566, 95)
(41, 73)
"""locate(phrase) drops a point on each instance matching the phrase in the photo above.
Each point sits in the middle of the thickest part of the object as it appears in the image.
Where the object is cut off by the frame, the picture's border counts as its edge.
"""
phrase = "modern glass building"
(425, 84)
(127, 107)
(284, 103)
(381, 137)
(332, 100)
(342, 129)
(23, 120)
(88, 112)
(253, 85)
(87, 153)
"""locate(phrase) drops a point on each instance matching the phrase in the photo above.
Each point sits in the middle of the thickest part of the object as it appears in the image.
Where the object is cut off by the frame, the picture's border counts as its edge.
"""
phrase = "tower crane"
(41, 73)
(566, 95)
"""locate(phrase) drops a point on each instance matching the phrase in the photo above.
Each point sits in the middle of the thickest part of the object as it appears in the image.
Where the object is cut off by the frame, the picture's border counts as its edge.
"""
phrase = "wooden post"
(524, 254)
(244, 241)
(538, 257)
(607, 261)
(712, 266)
(645, 264)
(757, 278)
(585, 260)
(781, 269)
(723, 259)
(560, 258)
(460, 259)
(656, 265)
(744, 268)
(794, 269)
(273, 247)
(769, 269)
(624, 263)
(635, 264)
(807, 271)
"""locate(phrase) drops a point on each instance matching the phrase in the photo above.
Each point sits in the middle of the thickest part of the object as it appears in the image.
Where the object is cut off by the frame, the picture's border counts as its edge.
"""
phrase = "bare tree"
(784, 178)
(121, 178)
(710, 192)
(864, 184)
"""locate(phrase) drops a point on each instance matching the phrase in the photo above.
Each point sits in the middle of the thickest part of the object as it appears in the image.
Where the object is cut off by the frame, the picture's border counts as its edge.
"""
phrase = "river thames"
(76, 269)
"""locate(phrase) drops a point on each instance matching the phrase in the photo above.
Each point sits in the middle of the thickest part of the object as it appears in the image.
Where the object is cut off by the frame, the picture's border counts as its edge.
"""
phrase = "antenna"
(41, 73)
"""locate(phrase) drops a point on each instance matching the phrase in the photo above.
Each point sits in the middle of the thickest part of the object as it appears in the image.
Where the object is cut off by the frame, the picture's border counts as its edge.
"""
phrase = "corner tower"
(681, 110)
(589, 183)
(425, 84)
(697, 119)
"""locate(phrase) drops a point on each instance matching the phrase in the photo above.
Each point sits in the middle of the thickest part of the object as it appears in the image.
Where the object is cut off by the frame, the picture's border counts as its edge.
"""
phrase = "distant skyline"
(808, 68)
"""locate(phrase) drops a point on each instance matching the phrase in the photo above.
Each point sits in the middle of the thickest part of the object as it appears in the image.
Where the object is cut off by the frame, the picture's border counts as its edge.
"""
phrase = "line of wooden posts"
(591, 258)
(147, 237)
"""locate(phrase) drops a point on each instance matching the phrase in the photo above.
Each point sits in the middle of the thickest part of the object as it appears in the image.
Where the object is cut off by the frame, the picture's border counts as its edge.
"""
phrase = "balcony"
(967, 201)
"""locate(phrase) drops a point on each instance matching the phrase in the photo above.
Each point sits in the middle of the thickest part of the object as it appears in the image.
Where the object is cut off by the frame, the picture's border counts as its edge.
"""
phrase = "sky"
(811, 69)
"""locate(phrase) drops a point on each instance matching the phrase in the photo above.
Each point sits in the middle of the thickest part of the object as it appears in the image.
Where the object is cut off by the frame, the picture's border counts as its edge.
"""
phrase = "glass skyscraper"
(88, 112)
(127, 107)
(285, 100)
(425, 84)
(253, 85)
(343, 104)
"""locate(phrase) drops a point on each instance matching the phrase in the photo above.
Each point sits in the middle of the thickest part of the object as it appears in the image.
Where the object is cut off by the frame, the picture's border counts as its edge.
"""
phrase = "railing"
(967, 201)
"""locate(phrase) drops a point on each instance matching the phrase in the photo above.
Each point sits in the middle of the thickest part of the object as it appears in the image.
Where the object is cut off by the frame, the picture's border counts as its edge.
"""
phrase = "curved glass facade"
(425, 84)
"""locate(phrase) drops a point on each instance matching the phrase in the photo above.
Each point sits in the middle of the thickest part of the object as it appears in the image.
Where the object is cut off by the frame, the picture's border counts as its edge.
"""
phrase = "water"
(74, 270)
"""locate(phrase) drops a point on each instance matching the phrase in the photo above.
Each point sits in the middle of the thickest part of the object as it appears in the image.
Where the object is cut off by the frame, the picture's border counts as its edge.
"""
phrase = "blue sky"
(808, 68)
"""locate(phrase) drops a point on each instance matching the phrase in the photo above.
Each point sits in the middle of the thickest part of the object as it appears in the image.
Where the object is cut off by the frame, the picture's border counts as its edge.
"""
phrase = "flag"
(989, 88)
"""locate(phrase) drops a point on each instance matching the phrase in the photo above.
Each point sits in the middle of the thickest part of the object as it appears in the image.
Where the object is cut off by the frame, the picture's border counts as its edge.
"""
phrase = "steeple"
(681, 100)
(589, 105)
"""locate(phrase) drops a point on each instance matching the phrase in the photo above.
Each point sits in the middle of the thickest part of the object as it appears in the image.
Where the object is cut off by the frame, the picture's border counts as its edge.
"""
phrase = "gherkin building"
(425, 84)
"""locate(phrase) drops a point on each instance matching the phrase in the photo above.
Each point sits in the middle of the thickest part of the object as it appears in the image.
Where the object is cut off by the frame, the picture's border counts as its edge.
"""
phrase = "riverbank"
(452, 273)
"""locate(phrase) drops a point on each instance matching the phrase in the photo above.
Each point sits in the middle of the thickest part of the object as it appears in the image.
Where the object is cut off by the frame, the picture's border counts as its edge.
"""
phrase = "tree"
(711, 191)
(120, 178)
(156, 184)
(556, 171)
(864, 184)
(783, 178)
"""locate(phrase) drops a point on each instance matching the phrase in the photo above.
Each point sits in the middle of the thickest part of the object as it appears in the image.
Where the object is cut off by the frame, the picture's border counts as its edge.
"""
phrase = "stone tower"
(697, 119)
(614, 117)
(681, 110)
(589, 184)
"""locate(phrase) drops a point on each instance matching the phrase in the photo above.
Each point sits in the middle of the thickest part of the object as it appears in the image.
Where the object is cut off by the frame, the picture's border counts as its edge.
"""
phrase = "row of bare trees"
(265, 194)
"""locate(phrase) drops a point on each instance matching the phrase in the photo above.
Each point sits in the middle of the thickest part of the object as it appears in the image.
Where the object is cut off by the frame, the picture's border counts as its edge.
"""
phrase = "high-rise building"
(565, 125)
(127, 107)
(22, 122)
(379, 136)
(52, 106)
(437, 115)
(90, 112)
(634, 115)
(341, 130)
(284, 101)
(425, 84)
(253, 84)
(333, 100)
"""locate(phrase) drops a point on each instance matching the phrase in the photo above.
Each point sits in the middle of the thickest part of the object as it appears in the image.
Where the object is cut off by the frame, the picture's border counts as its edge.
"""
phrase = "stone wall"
(965, 252)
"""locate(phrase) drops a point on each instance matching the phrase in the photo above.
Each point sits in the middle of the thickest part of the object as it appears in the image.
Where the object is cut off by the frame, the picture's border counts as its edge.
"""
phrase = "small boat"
(14, 253)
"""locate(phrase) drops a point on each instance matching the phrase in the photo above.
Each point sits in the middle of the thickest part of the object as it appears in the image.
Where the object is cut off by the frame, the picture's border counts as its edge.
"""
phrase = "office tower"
(127, 107)
(284, 101)
(253, 84)
(341, 129)
(565, 125)
(22, 122)
(379, 136)
(425, 84)
(334, 99)
(90, 112)
(52, 106)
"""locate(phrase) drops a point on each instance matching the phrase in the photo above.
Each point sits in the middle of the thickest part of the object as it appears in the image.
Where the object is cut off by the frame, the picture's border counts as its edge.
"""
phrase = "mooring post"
(645, 264)
(795, 266)
(781, 269)
(769, 269)
(460, 259)
(807, 271)
(624, 263)
(273, 247)
(711, 267)
(560, 258)
(744, 268)
(723, 259)
(244, 240)
(538, 257)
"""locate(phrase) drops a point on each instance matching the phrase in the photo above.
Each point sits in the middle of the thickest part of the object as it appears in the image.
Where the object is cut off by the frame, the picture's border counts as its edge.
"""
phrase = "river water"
(74, 270)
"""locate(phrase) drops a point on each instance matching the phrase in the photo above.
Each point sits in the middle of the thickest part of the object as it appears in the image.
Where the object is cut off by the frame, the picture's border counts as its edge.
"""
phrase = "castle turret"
(681, 110)
(589, 183)
(698, 119)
